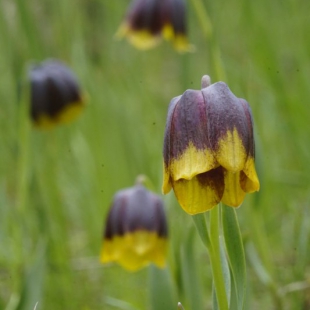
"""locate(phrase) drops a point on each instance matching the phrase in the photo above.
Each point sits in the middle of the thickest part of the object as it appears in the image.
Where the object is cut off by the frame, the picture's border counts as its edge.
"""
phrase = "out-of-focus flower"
(147, 21)
(209, 148)
(55, 94)
(136, 230)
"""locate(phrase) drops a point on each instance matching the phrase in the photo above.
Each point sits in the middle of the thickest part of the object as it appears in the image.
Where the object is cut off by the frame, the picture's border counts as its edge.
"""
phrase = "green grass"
(56, 188)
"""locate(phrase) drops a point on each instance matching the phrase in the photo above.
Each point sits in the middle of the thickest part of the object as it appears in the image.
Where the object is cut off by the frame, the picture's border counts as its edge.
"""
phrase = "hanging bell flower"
(209, 148)
(55, 94)
(136, 230)
(148, 21)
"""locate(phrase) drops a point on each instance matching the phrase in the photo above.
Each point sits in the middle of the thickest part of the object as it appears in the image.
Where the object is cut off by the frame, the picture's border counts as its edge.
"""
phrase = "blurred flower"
(136, 230)
(147, 21)
(209, 148)
(55, 94)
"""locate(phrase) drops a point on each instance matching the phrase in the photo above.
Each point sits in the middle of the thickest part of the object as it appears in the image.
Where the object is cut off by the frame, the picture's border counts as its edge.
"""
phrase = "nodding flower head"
(209, 148)
(55, 94)
(148, 21)
(136, 230)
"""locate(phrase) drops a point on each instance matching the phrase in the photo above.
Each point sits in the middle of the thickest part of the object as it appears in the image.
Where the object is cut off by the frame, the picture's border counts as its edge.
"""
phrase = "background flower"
(136, 230)
(55, 94)
(147, 21)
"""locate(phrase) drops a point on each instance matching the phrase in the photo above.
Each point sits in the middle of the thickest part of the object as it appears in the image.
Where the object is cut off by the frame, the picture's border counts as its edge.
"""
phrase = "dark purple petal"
(175, 15)
(53, 87)
(225, 112)
(146, 15)
(248, 114)
(167, 137)
(136, 209)
(186, 124)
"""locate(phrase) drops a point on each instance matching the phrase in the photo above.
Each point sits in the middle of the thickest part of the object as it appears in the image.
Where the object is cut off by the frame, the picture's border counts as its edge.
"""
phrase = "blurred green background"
(56, 186)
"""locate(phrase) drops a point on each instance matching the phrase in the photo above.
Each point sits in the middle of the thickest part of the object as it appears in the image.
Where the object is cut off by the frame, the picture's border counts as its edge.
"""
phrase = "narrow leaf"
(161, 289)
(235, 252)
(118, 304)
(34, 280)
(200, 222)
(190, 276)
(226, 275)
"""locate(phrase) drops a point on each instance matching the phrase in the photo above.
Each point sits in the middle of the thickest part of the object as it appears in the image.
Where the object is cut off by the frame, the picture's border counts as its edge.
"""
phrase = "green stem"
(200, 222)
(212, 243)
(203, 18)
(23, 170)
(23, 144)
(206, 26)
(20, 226)
(215, 257)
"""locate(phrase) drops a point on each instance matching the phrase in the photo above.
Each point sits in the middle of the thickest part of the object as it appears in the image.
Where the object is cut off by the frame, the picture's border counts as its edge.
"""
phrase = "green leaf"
(161, 289)
(257, 264)
(235, 253)
(34, 281)
(192, 285)
(226, 275)
(200, 222)
(118, 304)
(263, 275)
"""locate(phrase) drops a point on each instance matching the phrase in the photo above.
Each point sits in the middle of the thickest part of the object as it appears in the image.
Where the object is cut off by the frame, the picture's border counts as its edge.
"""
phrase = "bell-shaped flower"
(148, 21)
(209, 148)
(136, 230)
(55, 94)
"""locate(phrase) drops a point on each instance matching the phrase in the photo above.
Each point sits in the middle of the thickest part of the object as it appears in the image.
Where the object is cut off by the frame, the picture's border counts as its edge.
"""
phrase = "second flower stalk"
(208, 158)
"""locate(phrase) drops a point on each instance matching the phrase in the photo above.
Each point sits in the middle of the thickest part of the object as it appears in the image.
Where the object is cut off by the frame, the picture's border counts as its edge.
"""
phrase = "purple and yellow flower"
(136, 230)
(148, 21)
(55, 94)
(209, 148)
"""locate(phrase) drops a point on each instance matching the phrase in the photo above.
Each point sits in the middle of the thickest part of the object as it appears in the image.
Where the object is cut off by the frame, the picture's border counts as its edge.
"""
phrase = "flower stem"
(212, 243)
(206, 26)
(24, 156)
(215, 257)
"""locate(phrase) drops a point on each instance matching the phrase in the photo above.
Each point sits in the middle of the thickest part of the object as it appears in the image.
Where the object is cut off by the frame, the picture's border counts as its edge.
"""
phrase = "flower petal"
(167, 145)
(248, 178)
(143, 24)
(135, 250)
(142, 39)
(166, 187)
(55, 94)
(231, 153)
(186, 146)
(227, 126)
(202, 192)
(191, 163)
(174, 29)
(233, 193)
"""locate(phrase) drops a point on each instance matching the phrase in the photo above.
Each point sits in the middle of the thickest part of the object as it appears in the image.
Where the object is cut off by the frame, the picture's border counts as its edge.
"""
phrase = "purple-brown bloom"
(55, 94)
(209, 148)
(136, 230)
(147, 21)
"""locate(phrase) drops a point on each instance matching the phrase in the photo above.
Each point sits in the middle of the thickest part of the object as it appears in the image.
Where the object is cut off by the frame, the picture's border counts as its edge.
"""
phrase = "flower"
(55, 94)
(147, 21)
(209, 148)
(136, 230)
